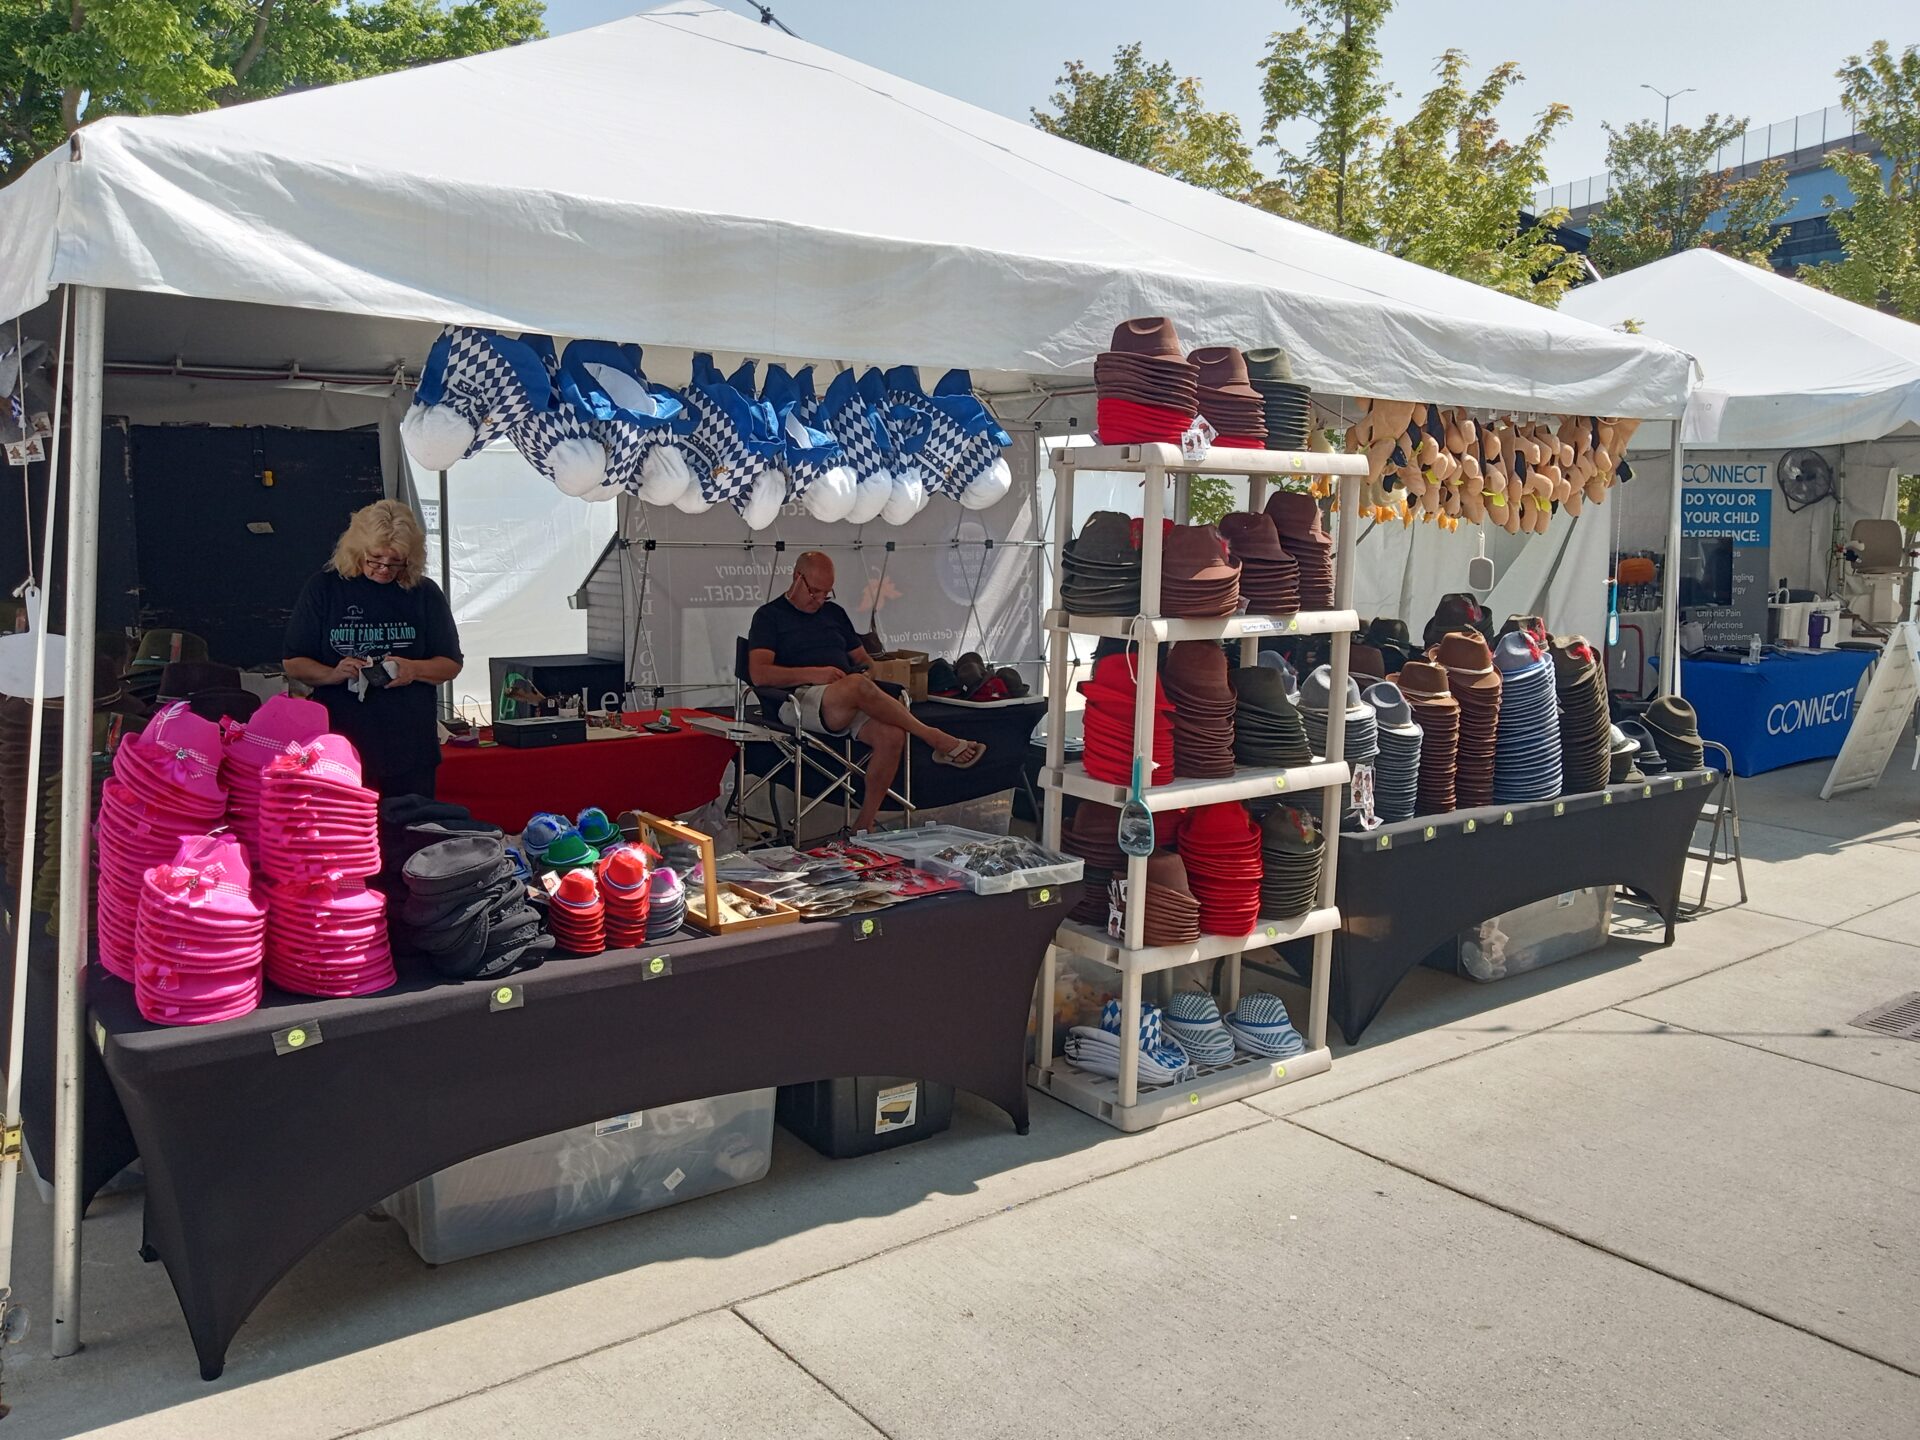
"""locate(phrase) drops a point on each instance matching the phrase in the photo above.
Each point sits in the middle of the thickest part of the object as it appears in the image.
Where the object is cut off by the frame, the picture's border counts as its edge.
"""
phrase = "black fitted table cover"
(257, 1148)
(1404, 889)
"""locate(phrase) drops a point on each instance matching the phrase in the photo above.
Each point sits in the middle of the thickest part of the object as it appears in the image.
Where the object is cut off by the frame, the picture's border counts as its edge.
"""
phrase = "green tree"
(1327, 72)
(1666, 194)
(1879, 228)
(62, 65)
(1142, 112)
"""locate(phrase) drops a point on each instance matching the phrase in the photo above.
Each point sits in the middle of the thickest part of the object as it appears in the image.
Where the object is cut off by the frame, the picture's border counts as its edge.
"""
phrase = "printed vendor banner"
(957, 580)
(1725, 557)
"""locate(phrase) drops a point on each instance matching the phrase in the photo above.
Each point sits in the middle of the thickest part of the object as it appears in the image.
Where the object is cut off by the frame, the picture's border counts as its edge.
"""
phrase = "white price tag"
(1198, 439)
(1257, 625)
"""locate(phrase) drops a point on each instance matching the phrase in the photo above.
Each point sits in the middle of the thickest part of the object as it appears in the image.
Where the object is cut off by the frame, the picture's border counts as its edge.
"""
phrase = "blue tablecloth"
(1786, 709)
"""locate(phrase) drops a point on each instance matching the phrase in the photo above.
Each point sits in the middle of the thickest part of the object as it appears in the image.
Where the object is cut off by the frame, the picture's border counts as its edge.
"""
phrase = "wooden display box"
(703, 906)
(905, 668)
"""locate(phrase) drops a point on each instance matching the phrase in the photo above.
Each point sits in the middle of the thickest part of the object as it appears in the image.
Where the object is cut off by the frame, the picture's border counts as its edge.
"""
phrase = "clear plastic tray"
(922, 845)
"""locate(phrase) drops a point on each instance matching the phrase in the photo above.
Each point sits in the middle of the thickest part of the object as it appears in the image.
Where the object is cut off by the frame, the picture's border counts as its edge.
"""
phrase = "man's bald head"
(812, 581)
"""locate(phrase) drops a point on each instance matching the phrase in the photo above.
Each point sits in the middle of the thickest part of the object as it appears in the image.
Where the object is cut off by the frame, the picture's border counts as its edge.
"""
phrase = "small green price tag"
(1507, 819)
(1646, 792)
(867, 929)
(1679, 782)
(1045, 895)
(1279, 782)
(1470, 827)
(1279, 1072)
(506, 997)
(1607, 799)
(303, 1036)
(1193, 1097)
(99, 1037)
(1273, 932)
(1430, 832)
(1293, 624)
(1559, 807)
(658, 966)
(1385, 842)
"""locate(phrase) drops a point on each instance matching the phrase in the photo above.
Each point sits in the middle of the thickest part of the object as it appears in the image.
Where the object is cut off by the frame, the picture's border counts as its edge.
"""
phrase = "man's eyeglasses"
(816, 591)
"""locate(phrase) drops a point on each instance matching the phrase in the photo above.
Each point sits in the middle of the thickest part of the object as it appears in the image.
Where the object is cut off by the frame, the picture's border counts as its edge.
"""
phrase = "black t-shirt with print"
(800, 640)
(338, 616)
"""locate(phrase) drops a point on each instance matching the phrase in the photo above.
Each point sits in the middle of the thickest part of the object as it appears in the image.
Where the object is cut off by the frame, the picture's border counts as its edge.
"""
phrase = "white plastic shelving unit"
(1120, 1102)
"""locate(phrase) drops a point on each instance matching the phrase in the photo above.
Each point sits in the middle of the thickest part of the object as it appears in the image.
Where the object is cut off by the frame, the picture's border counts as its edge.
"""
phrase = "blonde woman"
(373, 615)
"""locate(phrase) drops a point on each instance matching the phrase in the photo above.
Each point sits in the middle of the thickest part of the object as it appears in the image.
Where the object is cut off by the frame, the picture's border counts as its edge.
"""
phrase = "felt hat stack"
(1390, 638)
(1437, 713)
(247, 747)
(1585, 730)
(1100, 569)
(1147, 390)
(165, 787)
(317, 821)
(1365, 662)
(1172, 914)
(1362, 746)
(1296, 515)
(1623, 755)
(577, 916)
(1197, 578)
(198, 936)
(1220, 847)
(1676, 733)
(157, 650)
(625, 891)
(1647, 759)
(666, 904)
(326, 937)
(212, 691)
(1107, 725)
(410, 823)
(1234, 408)
(1268, 729)
(1476, 685)
(1092, 832)
(1396, 773)
(1527, 758)
(467, 910)
(1291, 846)
(1289, 405)
(1269, 576)
(1195, 675)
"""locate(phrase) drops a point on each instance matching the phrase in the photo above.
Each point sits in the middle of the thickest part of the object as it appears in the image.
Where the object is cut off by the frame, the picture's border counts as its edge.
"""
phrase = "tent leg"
(76, 803)
(1670, 577)
(448, 708)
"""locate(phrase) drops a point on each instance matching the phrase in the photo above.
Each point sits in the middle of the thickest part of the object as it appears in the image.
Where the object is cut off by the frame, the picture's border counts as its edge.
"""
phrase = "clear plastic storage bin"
(621, 1166)
(1543, 933)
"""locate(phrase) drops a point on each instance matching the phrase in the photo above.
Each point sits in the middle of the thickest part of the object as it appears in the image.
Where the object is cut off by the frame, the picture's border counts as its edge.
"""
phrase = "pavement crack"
(811, 1374)
(1604, 1249)
(1778, 1054)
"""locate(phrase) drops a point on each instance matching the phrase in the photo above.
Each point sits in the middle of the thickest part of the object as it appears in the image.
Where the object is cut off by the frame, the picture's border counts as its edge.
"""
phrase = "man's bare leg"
(884, 743)
(858, 695)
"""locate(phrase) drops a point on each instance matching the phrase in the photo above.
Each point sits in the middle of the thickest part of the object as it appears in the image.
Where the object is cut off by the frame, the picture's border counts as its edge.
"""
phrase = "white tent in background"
(683, 179)
(1782, 364)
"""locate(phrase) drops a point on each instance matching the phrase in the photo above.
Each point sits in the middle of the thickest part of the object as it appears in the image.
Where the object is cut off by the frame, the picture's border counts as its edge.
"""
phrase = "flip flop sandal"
(965, 758)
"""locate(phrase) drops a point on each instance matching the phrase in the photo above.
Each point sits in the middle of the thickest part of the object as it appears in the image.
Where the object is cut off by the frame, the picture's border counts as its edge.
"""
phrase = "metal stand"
(1721, 814)
(1120, 1102)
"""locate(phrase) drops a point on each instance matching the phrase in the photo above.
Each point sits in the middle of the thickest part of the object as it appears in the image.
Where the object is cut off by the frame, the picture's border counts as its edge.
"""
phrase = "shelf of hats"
(1204, 632)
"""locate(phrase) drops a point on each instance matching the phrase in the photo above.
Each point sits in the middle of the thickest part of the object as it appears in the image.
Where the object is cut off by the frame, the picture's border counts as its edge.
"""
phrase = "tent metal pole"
(447, 708)
(76, 800)
(1670, 577)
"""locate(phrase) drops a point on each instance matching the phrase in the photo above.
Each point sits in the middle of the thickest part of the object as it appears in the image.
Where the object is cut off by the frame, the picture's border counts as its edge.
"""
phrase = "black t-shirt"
(798, 639)
(336, 616)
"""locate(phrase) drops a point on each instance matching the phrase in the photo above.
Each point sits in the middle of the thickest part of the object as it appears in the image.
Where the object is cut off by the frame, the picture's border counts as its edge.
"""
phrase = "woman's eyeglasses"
(372, 564)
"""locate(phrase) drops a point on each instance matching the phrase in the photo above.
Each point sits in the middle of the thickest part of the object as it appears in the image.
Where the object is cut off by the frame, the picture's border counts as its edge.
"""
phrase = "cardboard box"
(905, 668)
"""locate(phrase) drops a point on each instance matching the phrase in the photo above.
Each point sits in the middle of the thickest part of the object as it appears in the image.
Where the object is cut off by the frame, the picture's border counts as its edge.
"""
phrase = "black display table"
(1405, 889)
(261, 1136)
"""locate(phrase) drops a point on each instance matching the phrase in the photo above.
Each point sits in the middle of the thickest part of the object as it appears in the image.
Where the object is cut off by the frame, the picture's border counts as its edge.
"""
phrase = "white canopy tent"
(1782, 366)
(683, 179)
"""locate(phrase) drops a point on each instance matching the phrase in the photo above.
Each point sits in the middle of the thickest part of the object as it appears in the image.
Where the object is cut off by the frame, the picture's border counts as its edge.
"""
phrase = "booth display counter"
(250, 1164)
(1790, 707)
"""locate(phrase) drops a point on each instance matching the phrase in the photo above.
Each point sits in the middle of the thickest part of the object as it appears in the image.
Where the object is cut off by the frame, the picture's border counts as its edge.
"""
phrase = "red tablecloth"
(665, 774)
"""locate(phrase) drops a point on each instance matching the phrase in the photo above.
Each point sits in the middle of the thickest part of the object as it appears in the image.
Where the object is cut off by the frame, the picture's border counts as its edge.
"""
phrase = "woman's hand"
(349, 666)
(404, 671)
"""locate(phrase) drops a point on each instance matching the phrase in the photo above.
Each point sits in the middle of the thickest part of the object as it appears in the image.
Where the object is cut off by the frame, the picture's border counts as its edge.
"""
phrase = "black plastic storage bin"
(864, 1114)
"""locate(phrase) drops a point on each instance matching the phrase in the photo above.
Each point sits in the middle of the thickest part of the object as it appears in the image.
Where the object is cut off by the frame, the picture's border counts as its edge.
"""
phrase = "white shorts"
(803, 709)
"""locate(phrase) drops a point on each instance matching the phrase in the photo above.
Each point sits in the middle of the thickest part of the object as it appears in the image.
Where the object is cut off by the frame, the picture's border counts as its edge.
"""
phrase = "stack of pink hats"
(165, 785)
(249, 745)
(198, 940)
(319, 840)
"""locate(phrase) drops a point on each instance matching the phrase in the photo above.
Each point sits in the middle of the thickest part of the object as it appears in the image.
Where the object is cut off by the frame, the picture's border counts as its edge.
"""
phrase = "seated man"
(805, 643)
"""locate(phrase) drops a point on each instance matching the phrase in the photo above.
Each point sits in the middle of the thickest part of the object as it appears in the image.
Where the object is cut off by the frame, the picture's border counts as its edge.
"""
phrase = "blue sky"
(1763, 59)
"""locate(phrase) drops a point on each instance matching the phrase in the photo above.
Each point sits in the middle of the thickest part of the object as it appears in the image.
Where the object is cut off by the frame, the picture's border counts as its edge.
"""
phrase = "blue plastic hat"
(542, 830)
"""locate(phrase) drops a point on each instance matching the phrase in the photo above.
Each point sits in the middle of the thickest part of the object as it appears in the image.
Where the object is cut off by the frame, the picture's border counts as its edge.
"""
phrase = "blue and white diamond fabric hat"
(986, 474)
(473, 388)
(844, 414)
(636, 422)
(904, 438)
(557, 437)
(818, 474)
(946, 448)
(735, 447)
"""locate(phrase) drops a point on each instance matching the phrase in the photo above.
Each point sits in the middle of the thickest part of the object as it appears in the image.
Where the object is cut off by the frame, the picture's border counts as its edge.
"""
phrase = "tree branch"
(70, 96)
(256, 43)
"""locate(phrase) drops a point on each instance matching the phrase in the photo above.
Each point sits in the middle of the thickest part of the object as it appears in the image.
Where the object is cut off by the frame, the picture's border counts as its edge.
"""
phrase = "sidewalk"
(1662, 1192)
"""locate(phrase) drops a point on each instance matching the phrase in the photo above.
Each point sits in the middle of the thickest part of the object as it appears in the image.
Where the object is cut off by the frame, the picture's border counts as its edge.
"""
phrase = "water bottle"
(1753, 649)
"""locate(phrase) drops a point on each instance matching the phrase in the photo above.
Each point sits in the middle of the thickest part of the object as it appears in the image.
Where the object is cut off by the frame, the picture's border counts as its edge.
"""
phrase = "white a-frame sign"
(1883, 719)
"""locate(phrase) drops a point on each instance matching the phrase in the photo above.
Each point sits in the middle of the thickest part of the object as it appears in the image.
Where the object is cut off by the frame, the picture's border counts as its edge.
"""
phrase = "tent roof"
(1795, 365)
(687, 177)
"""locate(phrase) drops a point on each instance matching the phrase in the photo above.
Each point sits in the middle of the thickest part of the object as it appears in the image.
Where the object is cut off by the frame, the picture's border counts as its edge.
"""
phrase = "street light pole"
(1666, 110)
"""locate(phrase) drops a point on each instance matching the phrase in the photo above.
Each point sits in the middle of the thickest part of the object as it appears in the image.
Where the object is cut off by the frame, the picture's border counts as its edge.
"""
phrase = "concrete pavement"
(1669, 1192)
